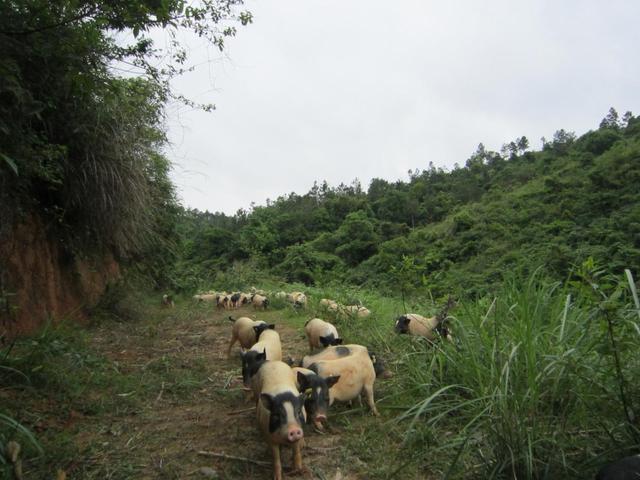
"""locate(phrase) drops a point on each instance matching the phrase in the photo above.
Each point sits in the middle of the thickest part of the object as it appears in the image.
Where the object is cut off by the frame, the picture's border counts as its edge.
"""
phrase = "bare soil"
(164, 438)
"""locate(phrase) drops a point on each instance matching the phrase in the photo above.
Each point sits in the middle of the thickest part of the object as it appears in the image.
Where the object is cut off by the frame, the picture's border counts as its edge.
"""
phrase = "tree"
(357, 238)
(562, 140)
(522, 145)
(84, 145)
(611, 120)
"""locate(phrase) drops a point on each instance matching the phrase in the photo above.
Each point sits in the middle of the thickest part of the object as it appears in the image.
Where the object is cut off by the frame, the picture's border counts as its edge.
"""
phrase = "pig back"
(270, 342)
(355, 371)
(334, 353)
(272, 378)
(422, 326)
(243, 329)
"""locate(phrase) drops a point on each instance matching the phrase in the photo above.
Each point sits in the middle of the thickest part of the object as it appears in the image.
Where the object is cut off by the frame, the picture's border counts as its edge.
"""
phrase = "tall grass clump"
(536, 385)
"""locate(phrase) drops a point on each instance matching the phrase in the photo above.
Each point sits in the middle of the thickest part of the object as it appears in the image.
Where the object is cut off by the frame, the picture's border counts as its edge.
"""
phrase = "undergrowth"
(539, 382)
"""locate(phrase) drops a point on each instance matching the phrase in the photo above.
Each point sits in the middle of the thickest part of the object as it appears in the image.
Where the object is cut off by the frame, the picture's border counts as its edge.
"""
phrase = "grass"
(534, 386)
(55, 383)
(537, 385)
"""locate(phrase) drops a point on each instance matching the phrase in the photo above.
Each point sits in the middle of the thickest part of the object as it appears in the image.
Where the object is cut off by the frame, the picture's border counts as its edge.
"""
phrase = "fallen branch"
(233, 457)
(321, 449)
(160, 394)
(244, 410)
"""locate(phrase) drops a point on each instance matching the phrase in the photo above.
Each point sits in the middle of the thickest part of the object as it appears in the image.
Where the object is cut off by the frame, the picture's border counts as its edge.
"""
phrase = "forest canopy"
(448, 231)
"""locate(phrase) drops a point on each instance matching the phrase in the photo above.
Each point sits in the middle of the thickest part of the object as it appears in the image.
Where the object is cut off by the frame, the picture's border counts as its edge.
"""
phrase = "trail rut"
(163, 440)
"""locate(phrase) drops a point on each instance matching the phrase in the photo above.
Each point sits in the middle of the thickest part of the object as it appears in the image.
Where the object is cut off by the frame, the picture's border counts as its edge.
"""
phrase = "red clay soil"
(41, 283)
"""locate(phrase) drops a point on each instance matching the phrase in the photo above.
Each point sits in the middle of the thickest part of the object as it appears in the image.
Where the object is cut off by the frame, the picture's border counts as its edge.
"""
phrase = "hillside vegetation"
(451, 232)
(540, 382)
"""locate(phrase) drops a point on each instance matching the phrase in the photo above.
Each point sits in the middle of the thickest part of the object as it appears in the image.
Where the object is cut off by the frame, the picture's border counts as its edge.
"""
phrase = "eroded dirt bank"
(40, 282)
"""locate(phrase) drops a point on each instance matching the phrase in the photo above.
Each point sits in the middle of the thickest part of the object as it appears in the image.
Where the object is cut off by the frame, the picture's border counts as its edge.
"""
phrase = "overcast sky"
(338, 90)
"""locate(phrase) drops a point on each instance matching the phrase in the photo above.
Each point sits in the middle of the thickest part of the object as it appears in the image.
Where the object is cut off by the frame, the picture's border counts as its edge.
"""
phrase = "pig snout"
(294, 434)
(317, 421)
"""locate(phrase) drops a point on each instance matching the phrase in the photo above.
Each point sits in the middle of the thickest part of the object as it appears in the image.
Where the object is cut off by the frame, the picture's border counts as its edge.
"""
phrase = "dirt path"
(205, 410)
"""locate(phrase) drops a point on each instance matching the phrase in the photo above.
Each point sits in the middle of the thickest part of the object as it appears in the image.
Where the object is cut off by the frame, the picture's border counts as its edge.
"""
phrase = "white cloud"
(337, 90)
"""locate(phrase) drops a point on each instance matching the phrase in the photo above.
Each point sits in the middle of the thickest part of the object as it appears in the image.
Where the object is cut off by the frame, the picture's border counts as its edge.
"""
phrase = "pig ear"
(332, 380)
(271, 326)
(267, 401)
(256, 329)
(302, 381)
(324, 341)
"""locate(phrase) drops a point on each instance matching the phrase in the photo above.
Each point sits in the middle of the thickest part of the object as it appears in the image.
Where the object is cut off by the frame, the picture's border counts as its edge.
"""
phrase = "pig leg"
(233, 340)
(277, 466)
(368, 390)
(297, 456)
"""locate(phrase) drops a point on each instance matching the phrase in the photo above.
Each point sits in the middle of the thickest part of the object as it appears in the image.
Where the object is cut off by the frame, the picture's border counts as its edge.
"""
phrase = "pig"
(280, 412)
(245, 298)
(353, 311)
(223, 301)
(329, 353)
(268, 347)
(316, 392)
(260, 301)
(246, 331)
(268, 339)
(330, 305)
(341, 351)
(235, 300)
(321, 334)
(334, 307)
(414, 324)
(167, 301)
(205, 297)
(357, 375)
(627, 468)
(298, 299)
(327, 304)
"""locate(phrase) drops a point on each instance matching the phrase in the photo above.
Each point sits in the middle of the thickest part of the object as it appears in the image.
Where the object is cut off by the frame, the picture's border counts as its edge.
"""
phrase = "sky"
(336, 90)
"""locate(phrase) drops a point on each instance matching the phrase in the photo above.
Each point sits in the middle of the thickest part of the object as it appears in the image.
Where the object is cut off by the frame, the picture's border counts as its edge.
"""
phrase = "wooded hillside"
(458, 230)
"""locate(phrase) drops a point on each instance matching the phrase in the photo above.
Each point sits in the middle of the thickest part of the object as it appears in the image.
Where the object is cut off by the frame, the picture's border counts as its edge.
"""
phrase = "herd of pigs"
(259, 300)
(289, 394)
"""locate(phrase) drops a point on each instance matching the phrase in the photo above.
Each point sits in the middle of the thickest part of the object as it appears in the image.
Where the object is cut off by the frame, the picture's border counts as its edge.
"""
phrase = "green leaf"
(10, 162)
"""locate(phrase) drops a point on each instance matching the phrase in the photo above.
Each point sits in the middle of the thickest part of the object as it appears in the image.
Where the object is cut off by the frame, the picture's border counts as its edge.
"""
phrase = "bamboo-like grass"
(531, 389)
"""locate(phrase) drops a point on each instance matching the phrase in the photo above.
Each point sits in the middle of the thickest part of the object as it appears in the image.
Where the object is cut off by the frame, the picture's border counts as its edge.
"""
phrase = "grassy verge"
(540, 383)
(66, 385)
